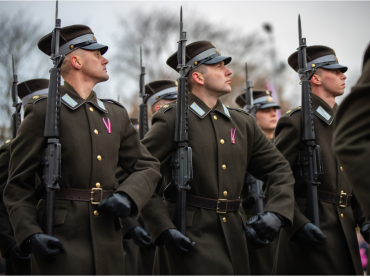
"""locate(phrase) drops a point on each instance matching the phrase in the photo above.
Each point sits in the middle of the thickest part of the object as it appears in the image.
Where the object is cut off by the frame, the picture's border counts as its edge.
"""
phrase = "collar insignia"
(226, 111)
(323, 113)
(101, 105)
(68, 100)
(197, 109)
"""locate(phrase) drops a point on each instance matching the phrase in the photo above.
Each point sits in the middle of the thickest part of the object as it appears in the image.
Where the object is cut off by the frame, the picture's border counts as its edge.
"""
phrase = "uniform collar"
(322, 110)
(73, 100)
(200, 109)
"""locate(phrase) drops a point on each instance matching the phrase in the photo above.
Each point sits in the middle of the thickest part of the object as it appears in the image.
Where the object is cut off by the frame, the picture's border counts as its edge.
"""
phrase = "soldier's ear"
(76, 61)
(198, 78)
(316, 79)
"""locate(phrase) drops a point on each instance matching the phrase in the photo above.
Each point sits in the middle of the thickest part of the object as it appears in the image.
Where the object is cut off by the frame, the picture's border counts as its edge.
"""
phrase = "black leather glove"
(140, 237)
(267, 225)
(365, 232)
(43, 246)
(119, 204)
(15, 255)
(253, 240)
(176, 242)
(309, 234)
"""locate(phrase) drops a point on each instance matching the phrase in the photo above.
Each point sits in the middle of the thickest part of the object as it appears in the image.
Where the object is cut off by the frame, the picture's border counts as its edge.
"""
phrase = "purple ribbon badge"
(107, 125)
(232, 135)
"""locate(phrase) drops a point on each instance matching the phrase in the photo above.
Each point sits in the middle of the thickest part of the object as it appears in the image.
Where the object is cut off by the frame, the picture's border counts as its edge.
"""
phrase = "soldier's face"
(217, 78)
(267, 119)
(94, 66)
(333, 81)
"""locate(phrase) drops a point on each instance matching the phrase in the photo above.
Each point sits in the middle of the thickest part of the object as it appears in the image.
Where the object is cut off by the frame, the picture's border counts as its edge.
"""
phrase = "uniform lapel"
(70, 98)
(93, 99)
(197, 106)
(322, 110)
(221, 108)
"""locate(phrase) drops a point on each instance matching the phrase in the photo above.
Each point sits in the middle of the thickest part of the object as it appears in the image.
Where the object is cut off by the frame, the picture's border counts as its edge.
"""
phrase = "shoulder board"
(8, 142)
(168, 106)
(290, 112)
(34, 99)
(237, 109)
(113, 102)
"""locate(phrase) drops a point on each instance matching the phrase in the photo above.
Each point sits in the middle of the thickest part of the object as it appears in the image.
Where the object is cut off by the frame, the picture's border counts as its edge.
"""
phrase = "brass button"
(222, 141)
(91, 109)
(225, 193)
(7, 141)
(165, 106)
(215, 117)
(99, 157)
(341, 215)
(223, 167)
(35, 97)
(96, 212)
(96, 131)
(224, 219)
(98, 185)
(341, 168)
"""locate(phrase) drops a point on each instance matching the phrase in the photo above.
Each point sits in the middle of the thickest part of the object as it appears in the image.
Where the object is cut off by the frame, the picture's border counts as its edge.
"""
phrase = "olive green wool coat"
(339, 254)
(352, 136)
(219, 168)
(90, 155)
(7, 239)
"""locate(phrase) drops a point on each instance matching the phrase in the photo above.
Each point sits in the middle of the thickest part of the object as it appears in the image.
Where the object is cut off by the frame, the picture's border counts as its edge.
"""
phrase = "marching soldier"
(304, 248)
(96, 136)
(226, 142)
(351, 136)
(261, 256)
(16, 263)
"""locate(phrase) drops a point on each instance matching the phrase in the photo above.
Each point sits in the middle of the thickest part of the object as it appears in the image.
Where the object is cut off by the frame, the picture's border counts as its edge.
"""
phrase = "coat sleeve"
(267, 164)
(7, 239)
(159, 142)
(288, 142)
(19, 193)
(139, 164)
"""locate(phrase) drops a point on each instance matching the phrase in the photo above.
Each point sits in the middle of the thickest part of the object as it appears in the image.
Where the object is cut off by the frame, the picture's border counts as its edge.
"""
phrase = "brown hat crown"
(31, 86)
(161, 89)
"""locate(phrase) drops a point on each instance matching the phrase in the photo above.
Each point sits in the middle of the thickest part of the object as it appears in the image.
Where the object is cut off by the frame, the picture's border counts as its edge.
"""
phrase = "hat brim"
(269, 105)
(170, 97)
(219, 59)
(335, 66)
(96, 46)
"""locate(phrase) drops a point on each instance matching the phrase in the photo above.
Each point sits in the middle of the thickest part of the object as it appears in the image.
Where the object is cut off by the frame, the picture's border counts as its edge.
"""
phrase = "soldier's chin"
(104, 78)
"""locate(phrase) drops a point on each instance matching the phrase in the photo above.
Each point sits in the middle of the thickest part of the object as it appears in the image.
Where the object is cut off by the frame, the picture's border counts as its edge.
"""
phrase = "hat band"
(76, 43)
(25, 99)
(206, 54)
(161, 94)
(329, 59)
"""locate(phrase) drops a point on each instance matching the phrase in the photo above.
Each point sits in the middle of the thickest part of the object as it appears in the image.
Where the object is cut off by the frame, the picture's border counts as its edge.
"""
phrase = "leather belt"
(221, 206)
(94, 195)
(342, 199)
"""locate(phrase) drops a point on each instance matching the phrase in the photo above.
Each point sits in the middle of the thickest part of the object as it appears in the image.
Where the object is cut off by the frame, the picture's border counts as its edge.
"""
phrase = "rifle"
(254, 185)
(51, 158)
(16, 117)
(309, 159)
(143, 118)
(181, 160)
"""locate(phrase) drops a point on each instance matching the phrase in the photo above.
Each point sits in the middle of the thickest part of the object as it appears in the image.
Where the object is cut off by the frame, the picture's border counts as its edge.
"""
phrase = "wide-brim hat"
(71, 38)
(197, 53)
(161, 89)
(33, 87)
(262, 98)
(318, 56)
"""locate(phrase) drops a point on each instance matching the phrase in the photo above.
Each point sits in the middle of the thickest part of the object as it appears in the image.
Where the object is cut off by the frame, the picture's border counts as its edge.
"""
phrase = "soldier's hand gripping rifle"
(255, 194)
(143, 118)
(181, 161)
(16, 117)
(309, 159)
(51, 158)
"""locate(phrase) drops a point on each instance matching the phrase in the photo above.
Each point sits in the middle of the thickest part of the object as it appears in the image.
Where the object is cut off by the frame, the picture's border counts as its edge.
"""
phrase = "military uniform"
(351, 136)
(260, 260)
(91, 151)
(338, 210)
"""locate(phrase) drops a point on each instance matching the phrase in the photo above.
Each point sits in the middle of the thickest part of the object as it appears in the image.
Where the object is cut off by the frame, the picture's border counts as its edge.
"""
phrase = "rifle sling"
(218, 205)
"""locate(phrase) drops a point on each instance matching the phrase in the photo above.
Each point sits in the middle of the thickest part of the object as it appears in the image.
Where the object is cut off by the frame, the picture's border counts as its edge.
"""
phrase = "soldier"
(16, 263)
(96, 136)
(160, 93)
(351, 136)
(226, 142)
(261, 256)
(303, 248)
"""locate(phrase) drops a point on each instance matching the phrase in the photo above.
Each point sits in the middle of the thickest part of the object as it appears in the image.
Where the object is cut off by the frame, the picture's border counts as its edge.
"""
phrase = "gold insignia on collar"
(36, 97)
(165, 106)
(269, 99)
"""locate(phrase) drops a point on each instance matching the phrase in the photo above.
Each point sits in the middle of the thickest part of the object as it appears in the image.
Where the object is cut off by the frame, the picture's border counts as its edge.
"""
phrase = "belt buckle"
(218, 202)
(92, 195)
(340, 199)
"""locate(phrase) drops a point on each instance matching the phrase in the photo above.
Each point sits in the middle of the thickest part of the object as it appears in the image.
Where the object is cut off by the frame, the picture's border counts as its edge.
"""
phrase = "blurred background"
(262, 34)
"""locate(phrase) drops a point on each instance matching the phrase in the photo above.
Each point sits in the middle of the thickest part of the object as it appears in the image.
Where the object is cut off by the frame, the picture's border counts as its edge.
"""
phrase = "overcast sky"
(343, 26)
